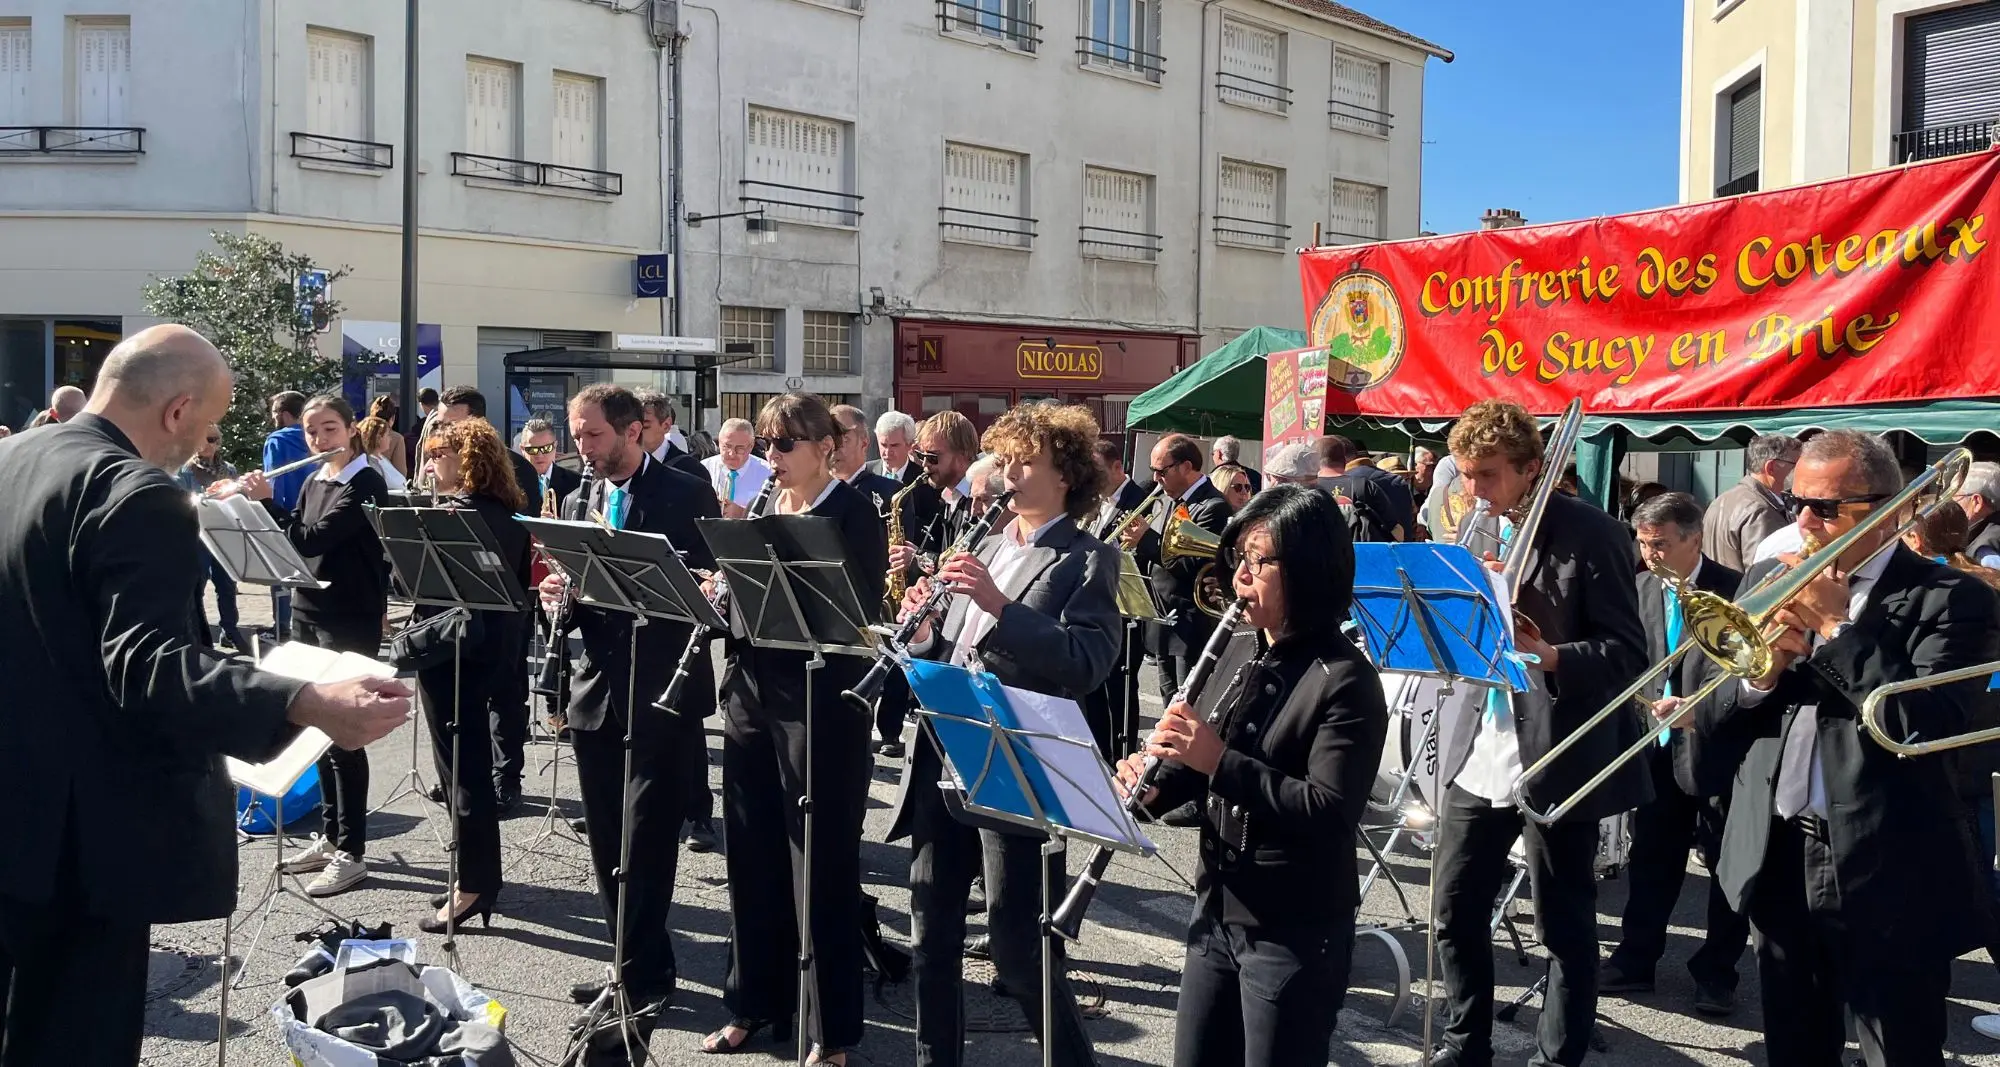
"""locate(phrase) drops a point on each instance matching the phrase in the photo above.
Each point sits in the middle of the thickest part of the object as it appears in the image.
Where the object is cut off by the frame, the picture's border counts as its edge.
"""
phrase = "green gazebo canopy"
(1220, 393)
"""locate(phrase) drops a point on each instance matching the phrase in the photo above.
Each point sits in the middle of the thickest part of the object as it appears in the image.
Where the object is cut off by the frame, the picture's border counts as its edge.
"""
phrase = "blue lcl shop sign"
(650, 276)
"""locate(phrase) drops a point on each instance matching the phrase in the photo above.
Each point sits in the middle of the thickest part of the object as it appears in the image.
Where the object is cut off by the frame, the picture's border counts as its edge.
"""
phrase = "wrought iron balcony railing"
(530, 173)
(1104, 242)
(1936, 142)
(802, 203)
(1251, 233)
(1341, 115)
(371, 154)
(72, 140)
(969, 16)
(1249, 92)
(986, 227)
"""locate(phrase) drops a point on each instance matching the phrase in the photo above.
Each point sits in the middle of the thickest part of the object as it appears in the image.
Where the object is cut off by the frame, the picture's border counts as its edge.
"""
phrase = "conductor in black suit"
(1036, 606)
(1583, 628)
(1176, 640)
(634, 493)
(1854, 866)
(116, 708)
(1679, 817)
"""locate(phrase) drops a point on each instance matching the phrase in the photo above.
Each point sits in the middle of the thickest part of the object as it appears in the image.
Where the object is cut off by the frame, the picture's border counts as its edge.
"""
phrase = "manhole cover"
(170, 970)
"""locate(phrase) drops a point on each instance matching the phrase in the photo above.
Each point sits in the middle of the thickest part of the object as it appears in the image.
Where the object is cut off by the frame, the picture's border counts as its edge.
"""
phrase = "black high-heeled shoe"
(431, 924)
(716, 1044)
(821, 1054)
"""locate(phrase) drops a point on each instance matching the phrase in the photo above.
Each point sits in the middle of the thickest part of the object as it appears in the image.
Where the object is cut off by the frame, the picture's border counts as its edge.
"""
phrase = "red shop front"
(981, 370)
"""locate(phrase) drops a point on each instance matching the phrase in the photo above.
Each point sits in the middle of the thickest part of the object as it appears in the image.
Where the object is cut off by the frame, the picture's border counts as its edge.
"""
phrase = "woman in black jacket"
(472, 471)
(331, 530)
(1283, 775)
(764, 764)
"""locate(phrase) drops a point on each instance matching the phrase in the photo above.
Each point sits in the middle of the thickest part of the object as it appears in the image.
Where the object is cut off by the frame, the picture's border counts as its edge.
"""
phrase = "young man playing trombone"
(1036, 606)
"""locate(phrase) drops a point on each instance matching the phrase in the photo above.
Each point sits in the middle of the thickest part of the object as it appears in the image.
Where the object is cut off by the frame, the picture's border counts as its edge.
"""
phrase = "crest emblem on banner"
(1359, 323)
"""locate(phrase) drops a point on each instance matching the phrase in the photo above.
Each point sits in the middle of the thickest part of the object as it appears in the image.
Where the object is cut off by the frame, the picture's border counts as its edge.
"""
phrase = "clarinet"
(1068, 919)
(699, 638)
(552, 679)
(863, 695)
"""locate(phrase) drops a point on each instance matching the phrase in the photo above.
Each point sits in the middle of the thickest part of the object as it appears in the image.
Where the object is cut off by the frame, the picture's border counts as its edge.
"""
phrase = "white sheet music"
(305, 663)
(248, 543)
(1076, 772)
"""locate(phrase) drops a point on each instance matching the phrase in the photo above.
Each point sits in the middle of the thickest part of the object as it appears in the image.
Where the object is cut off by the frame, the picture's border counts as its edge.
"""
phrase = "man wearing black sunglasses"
(1855, 867)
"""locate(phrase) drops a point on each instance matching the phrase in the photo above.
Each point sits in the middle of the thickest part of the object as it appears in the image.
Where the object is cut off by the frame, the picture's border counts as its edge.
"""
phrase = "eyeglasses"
(927, 458)
(782, 444)
(1828, 507)
(1239, 487)
(1254, 562)
(537, 450)
(1159, 472)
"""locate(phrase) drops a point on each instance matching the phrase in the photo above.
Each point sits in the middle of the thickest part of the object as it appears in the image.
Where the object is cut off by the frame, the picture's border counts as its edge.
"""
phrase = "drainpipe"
(1201, 175)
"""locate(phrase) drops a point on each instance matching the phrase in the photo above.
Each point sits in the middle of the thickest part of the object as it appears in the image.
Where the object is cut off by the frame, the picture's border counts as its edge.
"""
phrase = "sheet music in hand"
(306, 663)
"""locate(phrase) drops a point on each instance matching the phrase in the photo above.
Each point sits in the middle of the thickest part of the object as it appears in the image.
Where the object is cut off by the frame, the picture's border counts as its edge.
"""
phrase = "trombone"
(1875, 706)
(1737, 635)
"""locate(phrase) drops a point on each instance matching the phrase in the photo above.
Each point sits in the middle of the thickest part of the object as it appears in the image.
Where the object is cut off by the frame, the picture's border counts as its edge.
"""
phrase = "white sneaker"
(343, 872)
(312, 858)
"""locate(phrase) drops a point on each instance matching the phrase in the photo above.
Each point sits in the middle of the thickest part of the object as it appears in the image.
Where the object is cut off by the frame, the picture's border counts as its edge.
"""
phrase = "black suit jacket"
(1173, 581)
(564, 481)
(912, 470)
(1902, 850)
(664, 501)
(681, 460)
(1060, 636)
(878, 489)
(1711, 577)
(115, 718)
(1578, 590)
(1304, 727)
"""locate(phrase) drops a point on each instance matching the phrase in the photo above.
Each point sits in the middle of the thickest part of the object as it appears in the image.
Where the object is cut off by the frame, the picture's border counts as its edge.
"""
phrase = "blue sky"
(1560, 109)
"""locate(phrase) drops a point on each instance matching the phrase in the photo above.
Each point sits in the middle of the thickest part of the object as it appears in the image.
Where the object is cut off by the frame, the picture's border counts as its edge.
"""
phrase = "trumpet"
(863, 695)
(1737, 635)
(1067, 921)
(230, 487)
(720, 602)
(1115, 526)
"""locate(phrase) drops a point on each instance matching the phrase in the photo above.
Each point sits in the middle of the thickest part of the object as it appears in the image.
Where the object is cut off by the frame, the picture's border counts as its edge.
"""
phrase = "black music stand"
(637, 574)
(448, 558)
(788, 588)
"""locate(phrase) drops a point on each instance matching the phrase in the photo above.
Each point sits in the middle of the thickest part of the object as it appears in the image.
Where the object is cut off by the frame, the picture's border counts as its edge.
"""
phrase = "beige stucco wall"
(1748, 33)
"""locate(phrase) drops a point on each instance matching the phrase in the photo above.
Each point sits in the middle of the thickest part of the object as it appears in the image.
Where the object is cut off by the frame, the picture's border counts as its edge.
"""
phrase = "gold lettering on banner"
(1083, 363)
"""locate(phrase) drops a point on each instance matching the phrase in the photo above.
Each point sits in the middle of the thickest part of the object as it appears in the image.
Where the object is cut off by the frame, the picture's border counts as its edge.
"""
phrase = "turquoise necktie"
(1498, 703)
(1674, 622)
(616, 506)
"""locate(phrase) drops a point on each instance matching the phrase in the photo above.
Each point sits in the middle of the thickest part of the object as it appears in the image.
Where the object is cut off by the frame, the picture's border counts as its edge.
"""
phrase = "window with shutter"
(796, 167)
(1951, 82)
(17, 68)
(756, 327)
(578, 102)
(1354, 212)
(1253, 67)
(337, 84)
(103, 73)
(986, 197)
(1741, 139)
(1249, 208)
(1118, 215)
(492, 107)
(1358, 91)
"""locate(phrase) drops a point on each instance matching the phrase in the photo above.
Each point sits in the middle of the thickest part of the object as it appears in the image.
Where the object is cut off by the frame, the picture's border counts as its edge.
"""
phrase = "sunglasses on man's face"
(927, 458)
(1828, 508)
(537, 450)
(782, 444)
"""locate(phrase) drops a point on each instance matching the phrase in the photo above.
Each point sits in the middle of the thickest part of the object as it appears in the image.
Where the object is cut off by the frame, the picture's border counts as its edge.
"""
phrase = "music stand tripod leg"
(451, 801)
(1048, 953)
(806, 945)
(276, 888)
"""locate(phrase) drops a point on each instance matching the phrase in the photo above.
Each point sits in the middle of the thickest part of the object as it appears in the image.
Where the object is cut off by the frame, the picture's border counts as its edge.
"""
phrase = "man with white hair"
(1980, 497)
(737, 475)
(100, 564)
(1226, 454)
(988, 479)
(895, 436)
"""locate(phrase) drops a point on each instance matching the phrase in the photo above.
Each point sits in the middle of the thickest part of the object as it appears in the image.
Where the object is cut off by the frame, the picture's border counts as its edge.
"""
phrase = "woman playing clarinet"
(764, 770)
(1281, 756)
(471, 471)
(330, 529)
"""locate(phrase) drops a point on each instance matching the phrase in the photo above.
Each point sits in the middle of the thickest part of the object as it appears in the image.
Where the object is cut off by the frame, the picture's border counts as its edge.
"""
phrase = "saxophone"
(892, 597)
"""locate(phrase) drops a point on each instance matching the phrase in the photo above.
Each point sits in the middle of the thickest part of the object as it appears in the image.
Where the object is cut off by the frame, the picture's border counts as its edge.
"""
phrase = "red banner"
(1873, 288)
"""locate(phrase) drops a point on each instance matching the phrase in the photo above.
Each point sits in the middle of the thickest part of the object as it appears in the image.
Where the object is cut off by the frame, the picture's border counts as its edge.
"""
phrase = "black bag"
(431, 642)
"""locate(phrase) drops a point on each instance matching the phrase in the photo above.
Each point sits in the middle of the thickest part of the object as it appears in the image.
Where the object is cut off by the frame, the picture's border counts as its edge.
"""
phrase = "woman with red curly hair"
(473, 473)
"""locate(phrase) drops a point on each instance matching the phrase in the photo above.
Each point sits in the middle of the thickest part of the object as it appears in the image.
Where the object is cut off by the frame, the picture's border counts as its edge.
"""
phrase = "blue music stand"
(1427, 608)
(1025, 759)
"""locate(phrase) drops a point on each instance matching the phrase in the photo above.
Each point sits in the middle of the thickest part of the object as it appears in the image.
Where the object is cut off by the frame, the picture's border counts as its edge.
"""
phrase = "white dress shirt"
(1777, 543)
(1859, 585)
(1494, 764)
(1008, 558)
(749, 479)
(345, 474)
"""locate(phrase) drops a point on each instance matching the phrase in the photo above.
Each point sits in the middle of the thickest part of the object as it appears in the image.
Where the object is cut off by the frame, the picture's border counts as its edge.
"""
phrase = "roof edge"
(1354, 20)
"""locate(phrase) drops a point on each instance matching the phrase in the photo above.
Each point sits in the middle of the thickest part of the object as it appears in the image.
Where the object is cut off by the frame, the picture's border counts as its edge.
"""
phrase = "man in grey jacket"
(1752, 509)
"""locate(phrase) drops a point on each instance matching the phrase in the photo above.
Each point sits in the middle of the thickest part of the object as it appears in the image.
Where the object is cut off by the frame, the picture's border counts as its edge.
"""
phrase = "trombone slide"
(1874, 709)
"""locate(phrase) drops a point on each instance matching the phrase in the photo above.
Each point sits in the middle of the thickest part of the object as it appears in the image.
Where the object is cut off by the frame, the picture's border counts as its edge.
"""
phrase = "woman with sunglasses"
(471, 471)
(1282, 777)
(765, 767)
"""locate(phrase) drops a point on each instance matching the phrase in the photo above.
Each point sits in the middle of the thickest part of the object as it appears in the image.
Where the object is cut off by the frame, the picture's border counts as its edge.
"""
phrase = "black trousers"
(72, 985)
(471, 789)
(763, 776)
(343, 775)
(1174, 669)
(1662, 833)
(1110, 708)
(893, 707)
(1810, 977)
(658, 799)
(1255, 998)
(508, 703)
(1470, 870)
(694, 770)
(944, 856)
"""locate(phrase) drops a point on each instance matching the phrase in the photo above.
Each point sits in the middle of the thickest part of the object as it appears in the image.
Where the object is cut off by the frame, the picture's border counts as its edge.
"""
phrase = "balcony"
(368, 155)
(986, 227)
(1243, 91)
(969, 17)
(1937, 142)
(73, 141)
(1738, 186)
(1095, 52)
(529, 174)
(1341, 115)
(1251, 233)
(802, 203)
(1103, 242)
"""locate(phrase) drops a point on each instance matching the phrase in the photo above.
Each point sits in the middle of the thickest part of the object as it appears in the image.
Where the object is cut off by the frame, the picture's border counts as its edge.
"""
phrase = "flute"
(230, 486)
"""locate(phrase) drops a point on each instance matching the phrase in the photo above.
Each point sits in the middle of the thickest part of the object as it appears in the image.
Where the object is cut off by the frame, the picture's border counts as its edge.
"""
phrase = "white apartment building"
(980, 202)
(130, 129)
